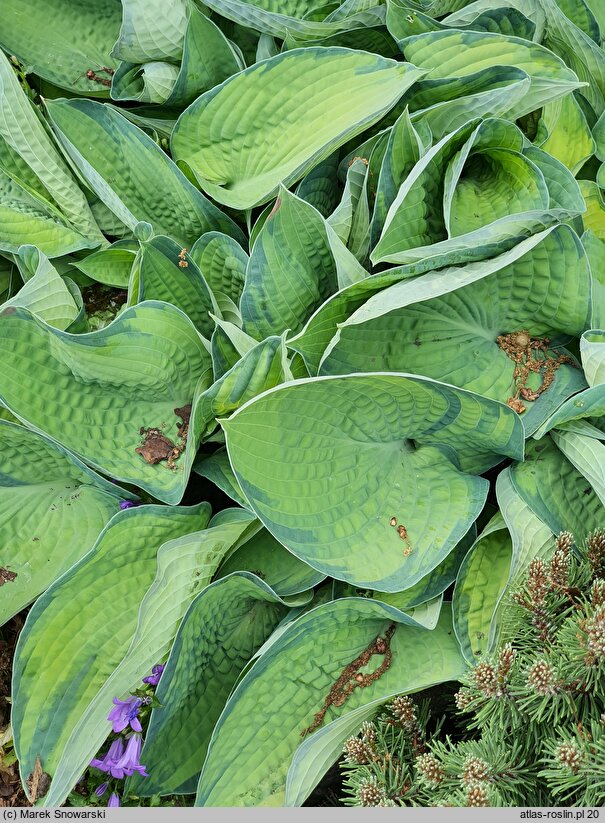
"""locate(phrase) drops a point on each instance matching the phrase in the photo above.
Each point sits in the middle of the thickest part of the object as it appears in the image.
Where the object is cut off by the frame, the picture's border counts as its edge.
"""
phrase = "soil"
(11, 790)
(101, 298)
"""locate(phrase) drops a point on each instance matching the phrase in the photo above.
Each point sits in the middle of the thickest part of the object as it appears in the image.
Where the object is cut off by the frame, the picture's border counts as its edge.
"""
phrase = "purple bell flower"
(100, 790)
(129, 762)
(109, 763)
(125, 712)
(127, 504)
(154, 677)
(113, 801)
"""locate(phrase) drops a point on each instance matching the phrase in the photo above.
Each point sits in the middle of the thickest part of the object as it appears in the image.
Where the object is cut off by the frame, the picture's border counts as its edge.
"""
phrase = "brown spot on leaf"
(275, 208)
(7, 576)
(38, 782)
(155, 446)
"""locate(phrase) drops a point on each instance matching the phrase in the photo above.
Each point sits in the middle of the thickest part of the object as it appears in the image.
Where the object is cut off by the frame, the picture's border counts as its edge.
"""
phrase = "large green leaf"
(459, 53)
(223, 628)
(77, 635)
(60, 40)
(126, 169)
(586, 453)
(23, 132)
(45, 293)
(556, 491)
(111, 266)
(151, 30)
(481, 580)
(223, 263)
(277, 699)
(241, 153)
(95, 392)
(185, 567)
(327, 463)
(568, 136)
(52, 509)
(542, 286)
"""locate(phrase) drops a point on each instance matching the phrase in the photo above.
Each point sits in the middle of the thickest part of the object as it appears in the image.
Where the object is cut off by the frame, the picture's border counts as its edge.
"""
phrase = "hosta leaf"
(541, 286)
(51, 512)
(232, 162)
(185, 567)
(262, 368)
(111, 266)
(589, 403)
(45, 294)
(326, 639)
(568, 136)
(207, 60)
(458, 53)
(594, 217)
(592, 351)
(223, 263)
(217, 468)
(151, 30)
(319, 187)
(126, 170)
(223, 628)
(229, 343)
(328, 477)
(263, 556)
(587, 454)
(167, 273)
(24, 133)
(60, 40)
(479, 586)
(555, 491)
(77, 635)
(95, 392)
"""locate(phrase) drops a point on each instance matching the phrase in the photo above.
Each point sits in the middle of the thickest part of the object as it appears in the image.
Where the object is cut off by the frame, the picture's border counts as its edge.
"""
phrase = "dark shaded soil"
(102, 298)
(11, 791)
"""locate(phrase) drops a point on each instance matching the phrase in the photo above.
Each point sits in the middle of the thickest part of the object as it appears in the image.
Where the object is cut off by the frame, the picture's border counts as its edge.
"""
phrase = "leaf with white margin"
(262, 722)
(481, 581)
(232, 162)
(185, 566)
(592, 352)
(77, 635)
(586, 453)
(151, 30)
(327, 462)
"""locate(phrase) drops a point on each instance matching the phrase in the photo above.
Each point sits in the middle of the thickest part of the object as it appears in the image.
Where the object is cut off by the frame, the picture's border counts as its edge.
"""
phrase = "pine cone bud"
(485, 679)
(559, 568)
(368, 732)
(595, 631)
(430, 769)
(564, 542)
(463, 698)
(476, 770)
(537, 581)
(597, 592)
(370, 793)
(356, 751)
(506, 658)
(476, 795)
(570, 756)
(404, 710)
(541, 678)
(595, 552)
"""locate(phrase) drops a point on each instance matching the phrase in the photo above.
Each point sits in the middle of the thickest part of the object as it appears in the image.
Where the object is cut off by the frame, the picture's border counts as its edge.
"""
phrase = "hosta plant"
(303, 369)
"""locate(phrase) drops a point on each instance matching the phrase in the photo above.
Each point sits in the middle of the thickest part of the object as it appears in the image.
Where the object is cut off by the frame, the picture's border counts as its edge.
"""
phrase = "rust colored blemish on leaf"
(7, 576)
(156, 447)
(38, 782)
(351, 678)
(275, 208)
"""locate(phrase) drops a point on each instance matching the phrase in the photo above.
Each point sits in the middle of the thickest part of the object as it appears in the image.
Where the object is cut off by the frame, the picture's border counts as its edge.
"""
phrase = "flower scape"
(302, 403)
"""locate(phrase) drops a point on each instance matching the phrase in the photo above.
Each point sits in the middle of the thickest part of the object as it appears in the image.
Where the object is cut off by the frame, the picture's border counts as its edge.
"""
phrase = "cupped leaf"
(542, 288)
(96, 393)
(224, 626)
(328, 638)
(185, 566)
(151, 30)
(229, 343)
(592, 351)
(223, 263)
(52, 510)
(111, 266)
(556, 491)
(586, 453)
(126, 169)
(231, 160)
(78, 634)
(479, 586)
(327, 463)
(45, 294)
(568, 136)
(62, 40)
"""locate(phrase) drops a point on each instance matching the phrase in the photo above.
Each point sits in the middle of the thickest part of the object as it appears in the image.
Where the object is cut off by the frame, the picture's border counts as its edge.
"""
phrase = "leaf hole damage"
(351, 678)
(531, 356)
(156, 447)
(6, 576)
